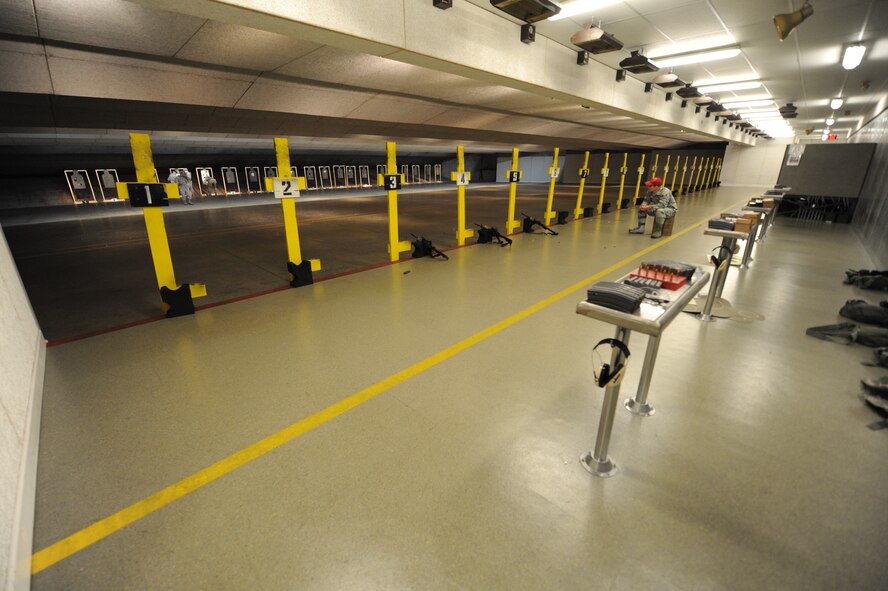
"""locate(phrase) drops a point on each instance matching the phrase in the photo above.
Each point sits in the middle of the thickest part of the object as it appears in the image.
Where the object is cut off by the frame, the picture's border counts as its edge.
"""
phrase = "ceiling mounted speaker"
(638, 64)
(595, 40)
(688, 91)
(529, 11)
(785, 23)
(669, 80)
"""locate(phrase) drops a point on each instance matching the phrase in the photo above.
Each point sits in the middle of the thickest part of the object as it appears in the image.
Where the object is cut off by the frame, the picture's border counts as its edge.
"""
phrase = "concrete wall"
(757, 166)
(22, 354)
(534, 169)
(871, 217)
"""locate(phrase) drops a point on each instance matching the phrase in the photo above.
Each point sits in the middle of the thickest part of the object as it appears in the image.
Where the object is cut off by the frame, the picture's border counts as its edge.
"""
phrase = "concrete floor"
(433, 416)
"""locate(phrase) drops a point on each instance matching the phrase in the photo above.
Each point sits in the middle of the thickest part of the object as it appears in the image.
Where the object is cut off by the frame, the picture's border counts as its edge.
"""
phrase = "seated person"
(659, 203)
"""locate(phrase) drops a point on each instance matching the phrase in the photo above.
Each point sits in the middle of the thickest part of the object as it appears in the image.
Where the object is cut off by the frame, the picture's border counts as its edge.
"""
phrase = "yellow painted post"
(622, 180)
(553, 176)
(584, 172)
(690, 180)
(675, 173)
(286, 187)
(462, 179)
(700, 174)
(514, 176)
(395, 246)
(154, 224)
(718, 174)
(604, 173)
(638, 180)
(708, 176)
(666, 169)
(654, 167)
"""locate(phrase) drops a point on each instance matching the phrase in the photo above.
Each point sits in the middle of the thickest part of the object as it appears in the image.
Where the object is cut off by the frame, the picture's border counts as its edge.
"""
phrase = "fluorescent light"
(709, 42)
(830, 121)
(696, 58)
(735, 104)
(581, 6)
(836, 103)
(853, 56)
(732, 86)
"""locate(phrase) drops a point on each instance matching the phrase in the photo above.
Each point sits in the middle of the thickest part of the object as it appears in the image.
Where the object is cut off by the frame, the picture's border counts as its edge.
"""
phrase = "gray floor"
(456, 465)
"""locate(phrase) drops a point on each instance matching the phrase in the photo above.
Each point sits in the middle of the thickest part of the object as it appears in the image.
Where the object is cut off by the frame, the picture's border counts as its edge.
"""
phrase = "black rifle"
(530, 222)
(489, 234)
(423, 247)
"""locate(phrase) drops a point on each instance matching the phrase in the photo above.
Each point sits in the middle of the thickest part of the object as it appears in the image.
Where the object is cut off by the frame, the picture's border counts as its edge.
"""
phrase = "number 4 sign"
(284, 188)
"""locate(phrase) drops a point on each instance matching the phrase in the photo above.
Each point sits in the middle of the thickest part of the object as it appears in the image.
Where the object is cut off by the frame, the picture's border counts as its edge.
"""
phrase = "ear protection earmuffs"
(606, 375)
(715, 259)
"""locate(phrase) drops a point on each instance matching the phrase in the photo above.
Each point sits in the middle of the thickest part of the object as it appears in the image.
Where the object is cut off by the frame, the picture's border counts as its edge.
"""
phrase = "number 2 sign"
(284, 188)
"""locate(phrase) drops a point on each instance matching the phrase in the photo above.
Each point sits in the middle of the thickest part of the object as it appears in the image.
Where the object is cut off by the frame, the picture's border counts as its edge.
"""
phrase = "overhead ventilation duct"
(638, 64)
(595, 40)
(688, 91)
(669, 80)
(529, 11)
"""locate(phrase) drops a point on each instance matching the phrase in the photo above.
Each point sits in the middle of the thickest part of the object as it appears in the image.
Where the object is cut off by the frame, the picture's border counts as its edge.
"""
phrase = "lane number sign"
(462, 179)
(514, 176)
(284, 188)
(391, 182)
(584, 173)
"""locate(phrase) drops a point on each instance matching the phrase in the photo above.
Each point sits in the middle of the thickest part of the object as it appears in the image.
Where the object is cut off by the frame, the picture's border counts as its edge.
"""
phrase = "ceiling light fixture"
(669, 80)
(638, 64)
(595, 40)
(830, 121)
(529, 11)
(580, 7)
(785, 23)
(738, 104)
(836, 103)
(732, 86)
(668, 61)
(853, 56)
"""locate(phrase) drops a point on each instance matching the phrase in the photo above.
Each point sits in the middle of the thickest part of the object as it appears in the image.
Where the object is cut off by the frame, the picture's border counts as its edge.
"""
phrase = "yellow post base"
(198, 290)
(512, 225)
(464, 234)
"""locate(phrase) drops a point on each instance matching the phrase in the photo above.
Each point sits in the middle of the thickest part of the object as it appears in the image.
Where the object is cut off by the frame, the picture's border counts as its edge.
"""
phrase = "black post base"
(179, 301)
(300, 274)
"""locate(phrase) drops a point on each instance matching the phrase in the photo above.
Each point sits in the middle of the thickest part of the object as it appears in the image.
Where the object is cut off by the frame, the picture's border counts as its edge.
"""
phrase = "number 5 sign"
(284, 188)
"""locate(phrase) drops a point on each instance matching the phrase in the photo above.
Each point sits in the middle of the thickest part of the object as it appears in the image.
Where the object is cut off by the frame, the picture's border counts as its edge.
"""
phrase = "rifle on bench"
(530, 222)
(423, 247)
(489, 234)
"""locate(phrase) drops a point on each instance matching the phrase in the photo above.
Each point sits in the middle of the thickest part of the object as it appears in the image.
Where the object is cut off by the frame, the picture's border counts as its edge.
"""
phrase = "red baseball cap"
(654, 182)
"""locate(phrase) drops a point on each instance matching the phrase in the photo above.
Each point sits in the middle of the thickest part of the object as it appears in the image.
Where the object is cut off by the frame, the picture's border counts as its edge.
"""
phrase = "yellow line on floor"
(105, 527)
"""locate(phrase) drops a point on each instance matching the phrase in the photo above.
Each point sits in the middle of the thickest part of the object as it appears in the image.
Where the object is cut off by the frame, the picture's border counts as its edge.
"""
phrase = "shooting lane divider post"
(691, 178)
(584, 174)
(708, 173)
(638, 181)
(666, 169)
(675, 174)
(514, 176)
(462, 178)
(554, 171)
(710, 180)
(622, 180)
(286, 187)
(151, 196)
(654, 167)
(604, 172)
(718, 173)
(392, 181)
(700, 170)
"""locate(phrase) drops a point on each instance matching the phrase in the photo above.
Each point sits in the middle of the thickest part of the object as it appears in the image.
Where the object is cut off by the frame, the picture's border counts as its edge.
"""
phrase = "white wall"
(757, 166)
(22, 354)
(534, 169)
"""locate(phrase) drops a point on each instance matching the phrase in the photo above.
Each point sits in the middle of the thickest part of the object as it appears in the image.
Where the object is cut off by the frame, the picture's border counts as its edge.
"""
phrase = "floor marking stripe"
(103, 528)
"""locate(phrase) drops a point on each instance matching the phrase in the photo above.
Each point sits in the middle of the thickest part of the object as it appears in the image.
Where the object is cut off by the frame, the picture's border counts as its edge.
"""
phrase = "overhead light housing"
(715, 107)
(638, 64)
(688, 91)
(703, 100)
(581, 7)
(853, 56)
(529, 11)
(830, 121)
(595, 40)
(789, 111)
(731, 86)
(710, 55)
(836, 103)
(669, 80)
(785, 23)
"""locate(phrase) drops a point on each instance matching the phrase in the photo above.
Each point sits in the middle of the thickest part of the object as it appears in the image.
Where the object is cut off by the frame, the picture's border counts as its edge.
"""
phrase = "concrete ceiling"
(340, 74)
